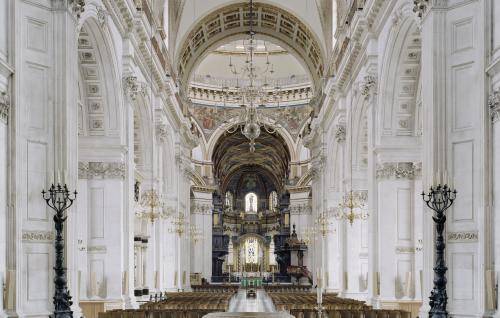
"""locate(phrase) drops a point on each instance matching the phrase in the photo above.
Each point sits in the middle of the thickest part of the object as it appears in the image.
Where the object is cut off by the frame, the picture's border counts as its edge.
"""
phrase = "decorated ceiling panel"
(232, 155)
(291, 118)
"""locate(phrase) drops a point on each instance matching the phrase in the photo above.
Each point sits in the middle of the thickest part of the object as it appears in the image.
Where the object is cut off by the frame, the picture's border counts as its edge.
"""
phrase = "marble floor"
(261, 303)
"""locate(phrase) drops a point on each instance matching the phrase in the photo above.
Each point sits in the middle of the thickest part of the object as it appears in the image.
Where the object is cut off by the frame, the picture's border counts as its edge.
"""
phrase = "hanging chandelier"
(151, 201)
(252, 93)
(351, 208)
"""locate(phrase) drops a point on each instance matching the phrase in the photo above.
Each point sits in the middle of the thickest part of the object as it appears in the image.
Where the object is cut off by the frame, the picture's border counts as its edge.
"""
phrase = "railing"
(233, 82)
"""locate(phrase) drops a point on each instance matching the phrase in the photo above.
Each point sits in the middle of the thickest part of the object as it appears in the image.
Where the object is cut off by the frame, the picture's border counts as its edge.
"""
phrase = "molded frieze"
(38, 236)
(463, 237)
(201, 208)
(102, 170)
(399, 170)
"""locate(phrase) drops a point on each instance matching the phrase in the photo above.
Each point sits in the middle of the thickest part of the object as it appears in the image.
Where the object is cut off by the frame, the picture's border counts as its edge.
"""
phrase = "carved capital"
(494, 105)
(369, 85)
(340, 133)
(399, 170)
(101, 170)
(4, 107)
(131, 86)
(301, 209)
(201, 208)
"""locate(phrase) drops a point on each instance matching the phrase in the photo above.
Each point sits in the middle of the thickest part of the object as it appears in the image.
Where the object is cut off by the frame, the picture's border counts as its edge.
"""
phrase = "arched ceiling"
(232, 156)
(185, 13)
(231, 22)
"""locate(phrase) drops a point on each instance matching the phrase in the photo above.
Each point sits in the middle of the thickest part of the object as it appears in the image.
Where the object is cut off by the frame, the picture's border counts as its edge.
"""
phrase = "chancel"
(249, 158)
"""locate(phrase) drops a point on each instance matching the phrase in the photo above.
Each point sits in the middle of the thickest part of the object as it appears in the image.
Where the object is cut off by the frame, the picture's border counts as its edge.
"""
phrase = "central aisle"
(261, 303)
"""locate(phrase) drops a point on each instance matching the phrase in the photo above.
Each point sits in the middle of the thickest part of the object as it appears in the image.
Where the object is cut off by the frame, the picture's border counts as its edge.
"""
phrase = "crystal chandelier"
(323, 224)
(251, 94)
(178, 225)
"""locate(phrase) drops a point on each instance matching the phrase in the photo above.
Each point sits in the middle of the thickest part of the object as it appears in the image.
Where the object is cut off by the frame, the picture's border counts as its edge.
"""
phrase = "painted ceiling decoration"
(271, 23)
(231, 155)
(291, 118)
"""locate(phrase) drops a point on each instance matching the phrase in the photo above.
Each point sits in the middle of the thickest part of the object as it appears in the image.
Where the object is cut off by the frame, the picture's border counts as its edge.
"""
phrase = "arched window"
(229, 200)
(273, 201)
(251, 202)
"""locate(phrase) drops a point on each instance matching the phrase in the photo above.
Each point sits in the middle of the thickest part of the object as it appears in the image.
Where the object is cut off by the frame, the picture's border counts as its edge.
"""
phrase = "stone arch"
(100, 111)
(401, 75)
(143, 132)
(231, 23)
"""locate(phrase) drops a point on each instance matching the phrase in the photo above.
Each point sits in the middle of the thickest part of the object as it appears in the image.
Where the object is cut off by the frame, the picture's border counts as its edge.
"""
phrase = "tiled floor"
(261, 303)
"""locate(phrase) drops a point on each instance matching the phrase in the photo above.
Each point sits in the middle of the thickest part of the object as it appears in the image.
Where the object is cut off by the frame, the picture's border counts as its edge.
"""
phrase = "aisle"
(261, 303)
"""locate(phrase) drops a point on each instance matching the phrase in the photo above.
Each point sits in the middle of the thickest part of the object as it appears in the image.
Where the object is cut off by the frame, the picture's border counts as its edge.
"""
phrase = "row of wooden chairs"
(287, 288)
(177, 305)
(308, 301)
(348, 313)
(225, 288)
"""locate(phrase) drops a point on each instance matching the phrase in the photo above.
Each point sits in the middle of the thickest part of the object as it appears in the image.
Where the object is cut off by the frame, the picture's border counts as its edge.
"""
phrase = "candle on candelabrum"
(60, 199)
(439, 198)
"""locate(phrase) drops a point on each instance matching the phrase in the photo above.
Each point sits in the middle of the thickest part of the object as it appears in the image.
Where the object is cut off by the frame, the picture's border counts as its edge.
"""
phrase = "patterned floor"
(261, 303)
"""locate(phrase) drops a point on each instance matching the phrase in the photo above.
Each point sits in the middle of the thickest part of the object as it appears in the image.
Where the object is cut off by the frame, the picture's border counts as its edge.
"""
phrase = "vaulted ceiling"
(232, 157)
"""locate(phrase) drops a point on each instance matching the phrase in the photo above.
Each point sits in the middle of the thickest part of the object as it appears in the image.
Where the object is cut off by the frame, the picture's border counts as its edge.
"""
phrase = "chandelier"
(178, 225)
(351, 208)
(152, 203)
(195, 233)
(323, 224)
(253, 93)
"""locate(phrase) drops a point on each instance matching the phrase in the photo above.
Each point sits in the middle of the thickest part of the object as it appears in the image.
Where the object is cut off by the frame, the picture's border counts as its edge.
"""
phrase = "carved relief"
(38, 236)
(162, 132)
(78, 6)
(494, 105)
(102, 14)
(399, 170)
(420, 7)
(201, 208)
(4, 107)
(102, 170)
(369, 85)
(340, 133)
(131, 86)
(97, 249)
(463, 237)
(405, 250)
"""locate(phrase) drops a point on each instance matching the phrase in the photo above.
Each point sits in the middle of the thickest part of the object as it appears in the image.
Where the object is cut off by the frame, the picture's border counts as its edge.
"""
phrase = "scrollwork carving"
(38, 236)
(103, 170)
(463, 237)
(399, 170)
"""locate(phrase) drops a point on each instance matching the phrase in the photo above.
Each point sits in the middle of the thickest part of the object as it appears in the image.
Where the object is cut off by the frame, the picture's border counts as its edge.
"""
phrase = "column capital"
(75, 7)
(494, 105)
(4, 107)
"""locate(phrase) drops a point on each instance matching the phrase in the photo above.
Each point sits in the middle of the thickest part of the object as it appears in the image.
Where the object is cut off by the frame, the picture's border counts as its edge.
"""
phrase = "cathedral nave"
(249, 158)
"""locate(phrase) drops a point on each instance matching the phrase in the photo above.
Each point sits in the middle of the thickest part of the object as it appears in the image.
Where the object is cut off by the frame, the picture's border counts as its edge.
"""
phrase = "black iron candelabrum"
(59, 198)
(439, 199)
